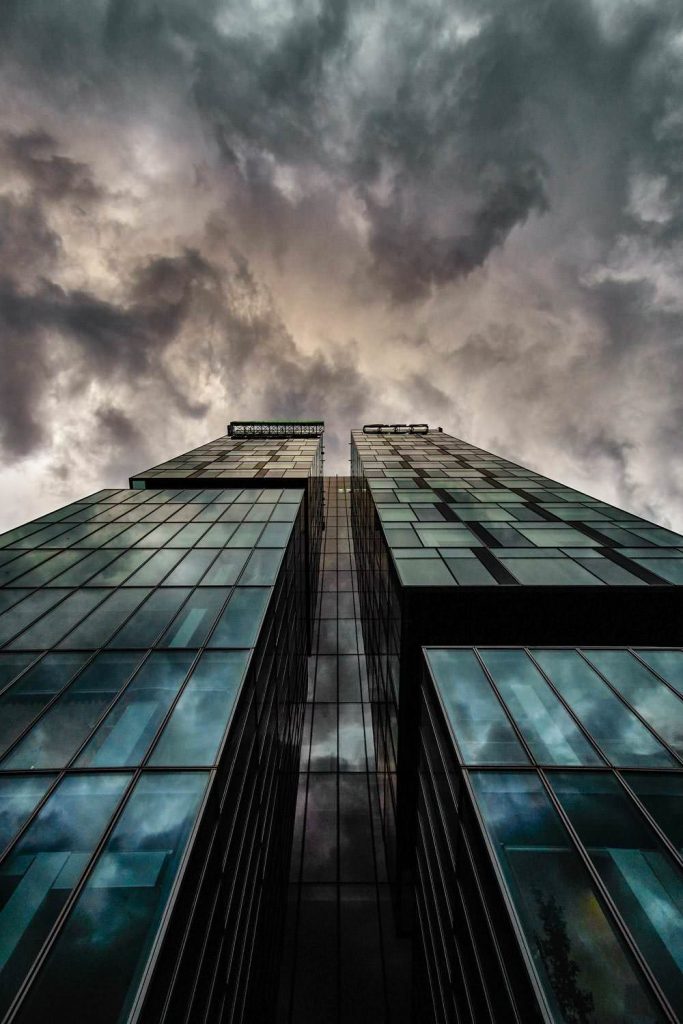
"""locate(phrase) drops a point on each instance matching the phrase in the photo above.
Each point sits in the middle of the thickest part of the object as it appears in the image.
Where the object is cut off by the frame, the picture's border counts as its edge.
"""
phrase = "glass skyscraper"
(400, 746)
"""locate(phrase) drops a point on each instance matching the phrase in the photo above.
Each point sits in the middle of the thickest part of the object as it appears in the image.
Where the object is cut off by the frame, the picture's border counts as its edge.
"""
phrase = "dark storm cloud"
(491, 193)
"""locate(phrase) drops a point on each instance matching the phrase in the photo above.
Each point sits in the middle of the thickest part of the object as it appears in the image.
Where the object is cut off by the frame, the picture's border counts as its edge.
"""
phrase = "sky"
(462, 213)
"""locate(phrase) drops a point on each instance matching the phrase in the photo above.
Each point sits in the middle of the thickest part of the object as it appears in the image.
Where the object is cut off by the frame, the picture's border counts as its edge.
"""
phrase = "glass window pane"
(642, 877)
(660, 708)
(96, 629)
(262, 568)
(41, 871)
(20, 704)
(275, 535)
(154, 570)
(558, 572)
(195, 729)
(226, 569)
(26, 610)
(662, 795)
(191, 626)
(239, 624)
(585, 971)
(217, 535)
(117, 915)
(481, 727)
(44, 572)
(145, 625)
(19, 795)
(192, 568)
(131, 725)
(548, 728)
(669, 665)
(120, 568)
(84, 569)
(56, 737)
(621, 736)
(12, 664)
(53, 625)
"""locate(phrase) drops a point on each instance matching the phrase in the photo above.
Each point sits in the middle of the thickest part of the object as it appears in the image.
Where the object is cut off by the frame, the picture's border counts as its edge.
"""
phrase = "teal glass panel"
(196, 727)
(126, 733)
(240, 623)
(641, 876)
(26, 570)
(423, 572)
(662, 795)
(26, 610)
(482, 730)
(226, 569)
(19, 796)
(550, 572)
(217, 535)
(11, 664)
(154, 570)
(669, 665)
(94, 969)
(262, 568)
(610, 572)
(151, 618)
(447, 536)
(43, 868)
(246, 535)
(193, 622)
(192, 568)
(669, 569)
(548, 728)
(84, 569)
(96, 629)
(469, 572)
(120, 568)
(660, 708)
(48, 630)
(620, 735)
(20, 704)
(189, 535)
(55, 569)
(275, 535)
(585, 971)
(56, 737)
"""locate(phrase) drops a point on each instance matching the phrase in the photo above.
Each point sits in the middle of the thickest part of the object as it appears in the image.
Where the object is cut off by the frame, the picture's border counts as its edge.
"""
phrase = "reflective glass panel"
(662, 795)
(191, 626)
(19, 794)
(145, 625)
(660, 708)
(622, 737)
(53, 625)
(131, 725)
(548, 728)
(642, 877)
(226, 569)
(43, 868)
(96, 629)
(481, 727)
(56, 737)
(669, 665)
(94, 969)
(195, 729)
(585, 971)
(239, 624)
(20, 704)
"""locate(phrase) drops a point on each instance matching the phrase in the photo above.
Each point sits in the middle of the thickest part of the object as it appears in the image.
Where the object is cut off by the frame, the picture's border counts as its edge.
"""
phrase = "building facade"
(427, 714)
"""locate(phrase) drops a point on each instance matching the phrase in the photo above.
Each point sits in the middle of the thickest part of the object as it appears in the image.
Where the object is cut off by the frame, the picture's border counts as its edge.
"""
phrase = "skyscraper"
(432, 711)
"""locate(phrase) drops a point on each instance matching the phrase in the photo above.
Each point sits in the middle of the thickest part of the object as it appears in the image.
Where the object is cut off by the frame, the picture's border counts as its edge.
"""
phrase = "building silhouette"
(400, 746)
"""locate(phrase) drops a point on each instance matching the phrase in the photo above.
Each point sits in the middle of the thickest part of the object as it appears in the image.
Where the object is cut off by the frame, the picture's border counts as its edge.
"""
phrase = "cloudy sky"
(468, 213)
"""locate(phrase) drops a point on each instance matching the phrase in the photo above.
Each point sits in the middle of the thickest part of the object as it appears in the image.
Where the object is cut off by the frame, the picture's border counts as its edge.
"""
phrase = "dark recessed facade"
(404, 746)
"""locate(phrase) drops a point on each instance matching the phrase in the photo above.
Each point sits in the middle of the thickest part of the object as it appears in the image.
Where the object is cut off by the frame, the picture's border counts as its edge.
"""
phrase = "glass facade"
(456, 545)
(549, 800)
(400, 746)
(153, 673)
